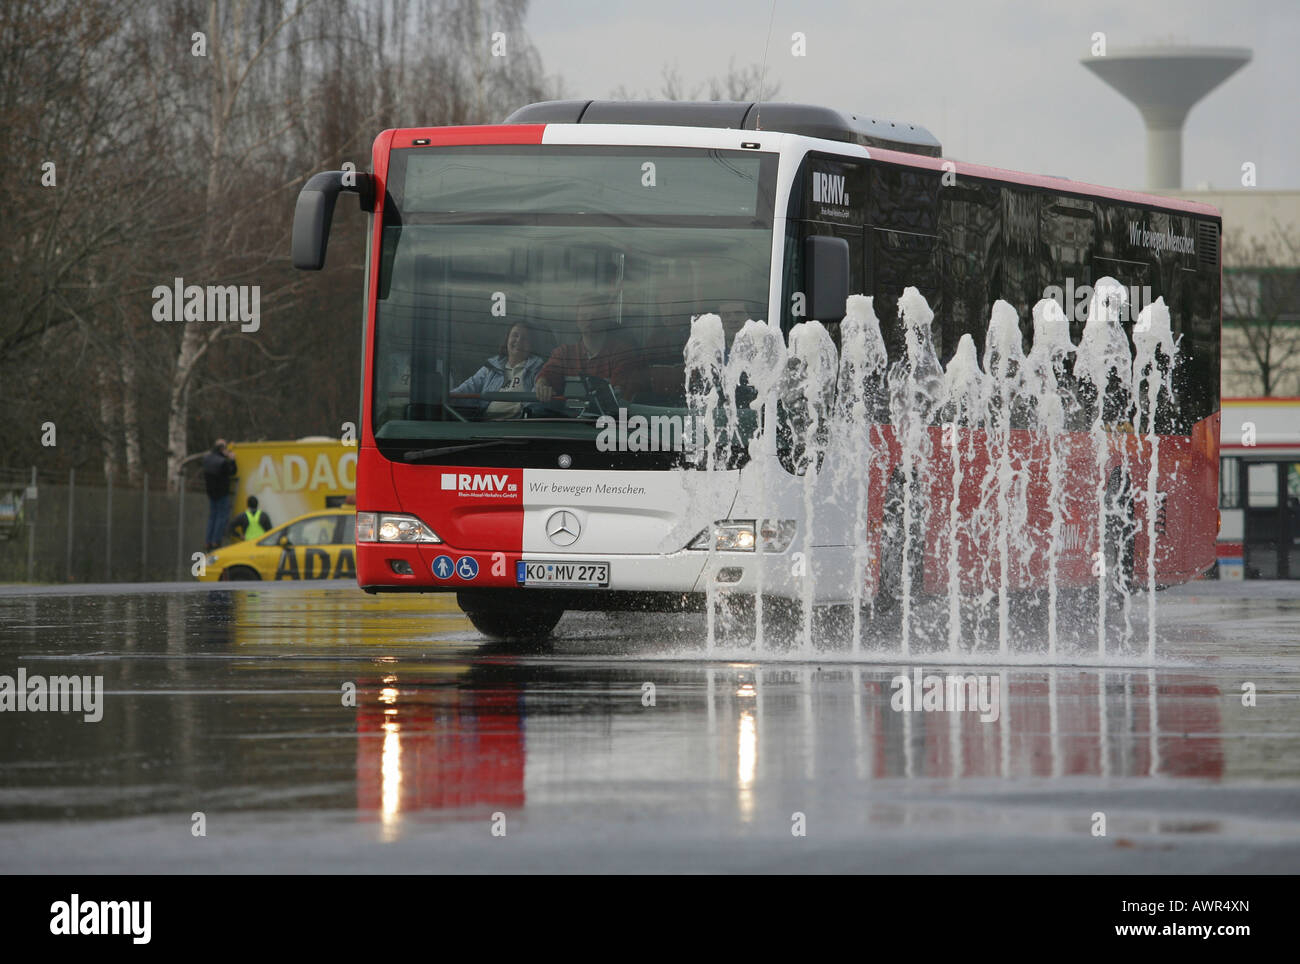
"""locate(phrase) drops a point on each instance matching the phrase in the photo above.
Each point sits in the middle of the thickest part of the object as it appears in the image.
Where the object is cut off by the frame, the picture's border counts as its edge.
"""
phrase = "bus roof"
(1063, 184)
(806, 119)
(889, 141)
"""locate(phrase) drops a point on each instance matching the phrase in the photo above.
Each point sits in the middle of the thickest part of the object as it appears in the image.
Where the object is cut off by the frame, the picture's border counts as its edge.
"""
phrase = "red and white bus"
(602, 229)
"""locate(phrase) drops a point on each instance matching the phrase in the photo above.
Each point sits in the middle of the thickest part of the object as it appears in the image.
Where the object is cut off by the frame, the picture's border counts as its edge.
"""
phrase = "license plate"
(546, 572)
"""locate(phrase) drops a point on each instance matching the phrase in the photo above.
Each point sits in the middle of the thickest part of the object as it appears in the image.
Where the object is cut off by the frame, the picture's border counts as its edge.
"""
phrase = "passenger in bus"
(661, 361)
(666, 339)
(601, 350)
(664, 350)
(513, 369)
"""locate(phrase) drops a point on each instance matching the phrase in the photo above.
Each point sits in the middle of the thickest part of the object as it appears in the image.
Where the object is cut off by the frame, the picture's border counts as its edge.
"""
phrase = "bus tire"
(531, 625)
(240, 574)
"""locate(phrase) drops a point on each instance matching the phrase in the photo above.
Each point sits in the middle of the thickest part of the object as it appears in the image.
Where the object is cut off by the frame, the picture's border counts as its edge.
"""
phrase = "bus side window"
(1066, 244)
(903, 248)
(970, 222)
(900, 261)
(1020, 285)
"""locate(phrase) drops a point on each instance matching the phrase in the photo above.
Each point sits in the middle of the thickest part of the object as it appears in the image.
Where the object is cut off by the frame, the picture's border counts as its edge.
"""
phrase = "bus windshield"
(526, 291)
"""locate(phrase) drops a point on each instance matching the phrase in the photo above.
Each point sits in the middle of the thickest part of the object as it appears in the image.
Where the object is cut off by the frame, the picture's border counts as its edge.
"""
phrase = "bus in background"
(1259, 489)
(529, 284)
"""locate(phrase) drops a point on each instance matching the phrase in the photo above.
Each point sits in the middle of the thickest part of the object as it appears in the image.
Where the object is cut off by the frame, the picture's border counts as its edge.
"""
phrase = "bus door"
(1271, 510)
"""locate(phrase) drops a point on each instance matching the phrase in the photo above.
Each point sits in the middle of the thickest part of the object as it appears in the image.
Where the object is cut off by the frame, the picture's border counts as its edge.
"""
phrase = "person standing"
(251, 523)
(218, 469)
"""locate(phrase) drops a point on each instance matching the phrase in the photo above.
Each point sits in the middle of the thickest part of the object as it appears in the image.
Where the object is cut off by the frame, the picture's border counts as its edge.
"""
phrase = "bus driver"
(600, 350)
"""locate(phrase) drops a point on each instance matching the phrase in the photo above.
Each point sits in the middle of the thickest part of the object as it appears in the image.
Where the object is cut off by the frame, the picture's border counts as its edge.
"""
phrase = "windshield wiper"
(416, 455)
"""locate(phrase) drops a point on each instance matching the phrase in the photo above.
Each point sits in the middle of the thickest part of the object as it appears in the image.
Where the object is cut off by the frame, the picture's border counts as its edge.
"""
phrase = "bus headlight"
(728, 536)
(735, 535)
(388, 527)
(777, 534)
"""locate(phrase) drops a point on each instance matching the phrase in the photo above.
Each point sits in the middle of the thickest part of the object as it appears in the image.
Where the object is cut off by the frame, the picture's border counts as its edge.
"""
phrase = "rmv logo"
(1072, 537)
(829, 188)
(465, 482)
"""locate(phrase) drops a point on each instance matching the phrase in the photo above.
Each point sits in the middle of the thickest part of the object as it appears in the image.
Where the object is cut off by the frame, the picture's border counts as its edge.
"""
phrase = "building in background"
(1261, 289)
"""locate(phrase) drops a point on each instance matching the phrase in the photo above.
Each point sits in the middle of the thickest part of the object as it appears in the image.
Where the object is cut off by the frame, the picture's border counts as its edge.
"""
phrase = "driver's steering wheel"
(589, 389)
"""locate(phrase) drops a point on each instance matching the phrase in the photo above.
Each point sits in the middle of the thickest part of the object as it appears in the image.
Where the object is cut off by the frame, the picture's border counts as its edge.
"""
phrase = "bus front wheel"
(531, 625)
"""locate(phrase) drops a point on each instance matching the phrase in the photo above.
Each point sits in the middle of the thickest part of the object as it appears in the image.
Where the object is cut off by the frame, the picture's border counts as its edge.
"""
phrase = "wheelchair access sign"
(445, 567)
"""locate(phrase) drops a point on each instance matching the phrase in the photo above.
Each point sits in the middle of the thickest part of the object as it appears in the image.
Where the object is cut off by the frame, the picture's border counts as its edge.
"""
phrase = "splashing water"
(966, 392)
(1003, 360)
(915, 391)
(860, 403)
(1045, 376)
(758, 359)
(1104, 366)
(808, 393)
(1153, 369)
(704, 384)
(1028, 490)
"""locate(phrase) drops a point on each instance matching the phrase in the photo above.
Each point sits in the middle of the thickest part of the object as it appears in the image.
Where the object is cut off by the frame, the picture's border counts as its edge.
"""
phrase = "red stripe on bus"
(482, 134)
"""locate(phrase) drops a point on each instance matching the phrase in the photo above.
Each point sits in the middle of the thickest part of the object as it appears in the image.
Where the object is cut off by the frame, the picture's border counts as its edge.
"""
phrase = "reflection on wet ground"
(319, 728)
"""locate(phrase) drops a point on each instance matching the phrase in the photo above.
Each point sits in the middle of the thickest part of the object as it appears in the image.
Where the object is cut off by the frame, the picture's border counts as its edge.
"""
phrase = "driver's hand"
(544, 391)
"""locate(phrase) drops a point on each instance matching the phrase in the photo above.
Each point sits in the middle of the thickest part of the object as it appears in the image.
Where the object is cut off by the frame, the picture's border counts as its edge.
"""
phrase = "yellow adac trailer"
(292, 478)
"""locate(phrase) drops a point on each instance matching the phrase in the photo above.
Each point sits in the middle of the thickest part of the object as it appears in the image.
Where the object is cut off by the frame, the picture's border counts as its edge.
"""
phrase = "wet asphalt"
(291, 727)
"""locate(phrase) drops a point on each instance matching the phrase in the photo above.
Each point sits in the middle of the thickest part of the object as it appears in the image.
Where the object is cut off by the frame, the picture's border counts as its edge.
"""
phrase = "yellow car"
(319, 545)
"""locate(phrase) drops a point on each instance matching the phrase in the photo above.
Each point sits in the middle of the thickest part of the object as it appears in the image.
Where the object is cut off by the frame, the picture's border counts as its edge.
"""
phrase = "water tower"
(1164, 82)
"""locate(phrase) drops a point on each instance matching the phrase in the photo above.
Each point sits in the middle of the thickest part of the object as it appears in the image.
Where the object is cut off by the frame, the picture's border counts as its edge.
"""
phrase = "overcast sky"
(997, 81)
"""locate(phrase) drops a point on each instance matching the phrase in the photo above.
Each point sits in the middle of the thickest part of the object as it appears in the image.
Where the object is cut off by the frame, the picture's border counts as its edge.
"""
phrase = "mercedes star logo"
(563, 528)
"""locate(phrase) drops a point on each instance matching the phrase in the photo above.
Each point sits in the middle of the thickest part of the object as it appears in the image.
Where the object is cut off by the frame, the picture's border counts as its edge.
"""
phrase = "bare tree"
(674, 87)
(239, 38)
(737, 84)
(1261, 310)
(175, 137)
(82, 183)
(92, 178)
(743, 83)
(469, 59)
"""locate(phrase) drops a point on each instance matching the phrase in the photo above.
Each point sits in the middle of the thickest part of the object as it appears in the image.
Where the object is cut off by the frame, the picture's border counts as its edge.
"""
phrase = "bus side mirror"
(315, 211)
(826, 276)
